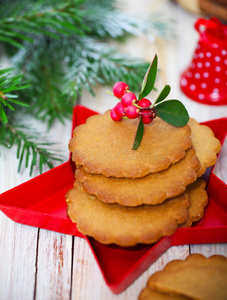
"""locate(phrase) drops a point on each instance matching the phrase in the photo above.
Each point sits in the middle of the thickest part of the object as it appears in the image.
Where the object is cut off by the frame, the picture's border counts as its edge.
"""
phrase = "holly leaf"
(149, 79)
(139, 135)
(164, 93)
(172, 112)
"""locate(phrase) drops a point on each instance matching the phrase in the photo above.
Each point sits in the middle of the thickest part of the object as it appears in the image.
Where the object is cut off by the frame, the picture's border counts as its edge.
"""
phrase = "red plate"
(40, 202)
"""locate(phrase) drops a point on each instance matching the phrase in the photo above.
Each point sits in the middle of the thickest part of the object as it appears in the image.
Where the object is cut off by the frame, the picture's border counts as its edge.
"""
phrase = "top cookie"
(103, 146)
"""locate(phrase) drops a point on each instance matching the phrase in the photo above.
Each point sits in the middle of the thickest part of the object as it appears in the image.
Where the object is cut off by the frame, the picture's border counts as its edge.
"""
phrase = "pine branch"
(97, 63)
(78, 63)
(51, 18)
(105, 21)
(8, 85)
(29, 151)
(43, 64)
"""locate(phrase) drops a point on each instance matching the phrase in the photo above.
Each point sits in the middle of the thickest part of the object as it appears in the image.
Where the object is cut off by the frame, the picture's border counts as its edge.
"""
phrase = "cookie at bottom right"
(196, 277)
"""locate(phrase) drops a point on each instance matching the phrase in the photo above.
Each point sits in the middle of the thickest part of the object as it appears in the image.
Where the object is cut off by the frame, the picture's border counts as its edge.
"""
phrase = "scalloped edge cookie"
(196, 277)
(207, 146)
(125, 226)
(103, 146)
(151, 189)
(198, 198)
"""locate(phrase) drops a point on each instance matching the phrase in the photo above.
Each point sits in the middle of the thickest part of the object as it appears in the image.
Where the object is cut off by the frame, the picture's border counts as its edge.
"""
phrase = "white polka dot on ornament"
(189, 74)
(201, 96)
(197, 75)
(184, 82)
(217, 68)
(192, 87)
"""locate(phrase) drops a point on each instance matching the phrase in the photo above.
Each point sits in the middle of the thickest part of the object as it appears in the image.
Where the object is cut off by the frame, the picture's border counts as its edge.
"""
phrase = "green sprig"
(171, 111)
(26, 18)
(31, 149)
(9, 84)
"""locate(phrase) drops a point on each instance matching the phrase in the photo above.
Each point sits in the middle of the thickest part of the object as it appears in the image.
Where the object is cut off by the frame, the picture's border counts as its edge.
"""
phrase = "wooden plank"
(209, 249)
(54, 256)
(17, 260)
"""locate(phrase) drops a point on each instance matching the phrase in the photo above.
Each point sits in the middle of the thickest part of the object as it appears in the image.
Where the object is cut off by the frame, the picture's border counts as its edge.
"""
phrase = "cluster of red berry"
(129, 106)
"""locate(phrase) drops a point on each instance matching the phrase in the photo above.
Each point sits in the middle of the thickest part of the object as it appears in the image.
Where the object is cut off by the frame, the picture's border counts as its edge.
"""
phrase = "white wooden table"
(41, 264)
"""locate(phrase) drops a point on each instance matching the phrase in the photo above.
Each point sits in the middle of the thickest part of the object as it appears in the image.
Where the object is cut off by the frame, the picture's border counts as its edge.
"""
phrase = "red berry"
(147, 116)
(120, 109)
(128, 99)
(132, 112)
(144, 102)
(114, 116)
(120, 88)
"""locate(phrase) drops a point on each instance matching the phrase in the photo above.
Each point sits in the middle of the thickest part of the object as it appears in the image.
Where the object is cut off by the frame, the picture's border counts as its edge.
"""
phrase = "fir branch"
(43, 65)
(60, 71)
(29, 151)
(99, 63)
(105, 21)
(8, 85)
(51, 18)
(20, 21)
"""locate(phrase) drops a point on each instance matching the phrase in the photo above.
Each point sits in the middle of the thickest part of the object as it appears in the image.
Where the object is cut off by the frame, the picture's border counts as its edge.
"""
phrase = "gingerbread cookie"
(206, 145)
(196, 277)
(125, 226)
(151, 189)
(103, 146)
(198, 200)
(150, 294)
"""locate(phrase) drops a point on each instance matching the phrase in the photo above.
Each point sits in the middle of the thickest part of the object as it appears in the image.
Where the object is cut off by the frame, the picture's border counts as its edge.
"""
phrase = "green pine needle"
(9, 84)
(29, 152)
(51, 18)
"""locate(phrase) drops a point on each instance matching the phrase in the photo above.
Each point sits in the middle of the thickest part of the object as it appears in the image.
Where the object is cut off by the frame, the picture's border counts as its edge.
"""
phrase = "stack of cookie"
(126, 196)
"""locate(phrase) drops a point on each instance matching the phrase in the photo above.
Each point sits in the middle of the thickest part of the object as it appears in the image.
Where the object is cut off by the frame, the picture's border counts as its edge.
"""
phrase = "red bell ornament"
(205, 80)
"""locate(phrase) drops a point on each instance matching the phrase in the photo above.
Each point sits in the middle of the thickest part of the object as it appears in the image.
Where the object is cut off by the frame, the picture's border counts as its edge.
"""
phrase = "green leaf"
(173, 112)
(139, 135)
(149, 79)
(164, 93)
